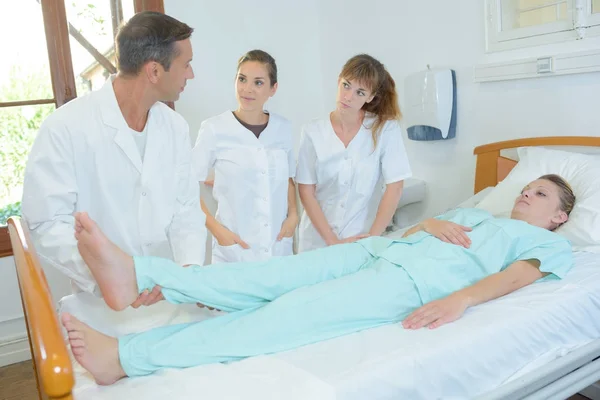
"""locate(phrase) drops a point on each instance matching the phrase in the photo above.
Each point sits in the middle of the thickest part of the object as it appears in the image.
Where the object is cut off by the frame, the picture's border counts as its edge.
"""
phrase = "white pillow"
(582, 171)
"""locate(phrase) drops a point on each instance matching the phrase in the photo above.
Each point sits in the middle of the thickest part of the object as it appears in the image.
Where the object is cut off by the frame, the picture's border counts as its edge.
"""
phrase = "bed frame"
(52, 363)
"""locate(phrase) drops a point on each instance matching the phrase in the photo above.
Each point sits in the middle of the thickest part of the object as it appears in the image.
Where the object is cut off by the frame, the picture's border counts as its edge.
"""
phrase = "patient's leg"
(227, 287)
(375, 296)
(95, 352)
(111, 267)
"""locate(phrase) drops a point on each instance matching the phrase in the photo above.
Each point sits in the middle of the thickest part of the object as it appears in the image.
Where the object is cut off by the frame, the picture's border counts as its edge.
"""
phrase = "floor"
(17, 382)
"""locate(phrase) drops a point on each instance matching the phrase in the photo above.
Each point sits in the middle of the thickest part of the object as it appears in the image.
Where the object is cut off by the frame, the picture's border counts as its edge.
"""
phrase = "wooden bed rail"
(492, 168)
(51, 361)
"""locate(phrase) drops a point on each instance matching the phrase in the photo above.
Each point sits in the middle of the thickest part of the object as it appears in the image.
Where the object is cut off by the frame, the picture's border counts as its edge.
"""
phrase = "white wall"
(312, 39)
(408, 35)
(14, 346)
(225, 30)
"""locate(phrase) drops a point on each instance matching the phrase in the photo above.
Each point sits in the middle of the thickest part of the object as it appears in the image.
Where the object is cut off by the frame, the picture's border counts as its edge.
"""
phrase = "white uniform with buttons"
(251, 183)
(349, 180)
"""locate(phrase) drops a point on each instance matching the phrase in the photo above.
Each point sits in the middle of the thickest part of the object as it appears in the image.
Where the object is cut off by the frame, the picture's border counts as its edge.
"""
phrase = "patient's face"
(539, 205)
(253, 86)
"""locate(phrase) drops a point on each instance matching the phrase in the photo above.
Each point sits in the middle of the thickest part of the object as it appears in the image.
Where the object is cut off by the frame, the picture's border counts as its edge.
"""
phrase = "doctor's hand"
(438, 312)
(448, 232)
(288, 227)
(227, 238)
(147, 298)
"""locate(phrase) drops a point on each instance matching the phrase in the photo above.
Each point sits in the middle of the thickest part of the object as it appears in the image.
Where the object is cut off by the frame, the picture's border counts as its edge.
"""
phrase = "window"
(34, 81)
(514, 24)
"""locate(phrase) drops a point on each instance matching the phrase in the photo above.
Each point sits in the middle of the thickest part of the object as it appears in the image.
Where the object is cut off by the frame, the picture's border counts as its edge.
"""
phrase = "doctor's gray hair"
(149, 36)
(264, 58)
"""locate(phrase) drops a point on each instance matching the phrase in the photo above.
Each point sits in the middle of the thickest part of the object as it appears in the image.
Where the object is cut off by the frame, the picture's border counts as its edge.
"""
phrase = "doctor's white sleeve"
(187, 231)
(49, 196)
(203, 155)
(306, 172)
(394, 161)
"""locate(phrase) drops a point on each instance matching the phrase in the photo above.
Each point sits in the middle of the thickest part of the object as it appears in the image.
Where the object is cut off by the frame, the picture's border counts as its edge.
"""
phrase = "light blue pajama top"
(439, 268)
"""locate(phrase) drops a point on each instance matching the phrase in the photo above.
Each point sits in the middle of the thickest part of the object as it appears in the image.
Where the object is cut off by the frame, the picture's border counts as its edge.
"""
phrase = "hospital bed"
(541, 342)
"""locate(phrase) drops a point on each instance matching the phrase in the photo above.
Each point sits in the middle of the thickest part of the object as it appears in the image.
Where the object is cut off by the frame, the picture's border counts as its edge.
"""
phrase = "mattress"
(492, 344)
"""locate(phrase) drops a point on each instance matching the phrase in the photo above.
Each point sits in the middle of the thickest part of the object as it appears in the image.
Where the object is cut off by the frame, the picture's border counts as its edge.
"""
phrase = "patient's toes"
(74, 334)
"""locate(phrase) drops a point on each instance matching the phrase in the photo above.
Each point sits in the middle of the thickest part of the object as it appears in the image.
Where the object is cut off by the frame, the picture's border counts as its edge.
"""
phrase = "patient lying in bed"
(428, 278)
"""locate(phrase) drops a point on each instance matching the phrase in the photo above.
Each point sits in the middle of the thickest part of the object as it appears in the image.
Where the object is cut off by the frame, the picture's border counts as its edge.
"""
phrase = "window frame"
(580, 24)
(62, 75)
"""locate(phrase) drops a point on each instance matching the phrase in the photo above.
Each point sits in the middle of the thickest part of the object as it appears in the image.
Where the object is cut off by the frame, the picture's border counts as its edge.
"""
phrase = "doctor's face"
(352, 96)
(253, 86)
(174, 80)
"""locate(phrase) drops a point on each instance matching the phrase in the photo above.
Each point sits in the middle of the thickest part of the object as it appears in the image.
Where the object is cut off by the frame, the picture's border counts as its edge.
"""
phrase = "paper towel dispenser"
(430, 105)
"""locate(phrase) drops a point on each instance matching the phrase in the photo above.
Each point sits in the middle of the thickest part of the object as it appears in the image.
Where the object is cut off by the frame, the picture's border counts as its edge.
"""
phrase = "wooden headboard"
(51, 361)
(492, 168)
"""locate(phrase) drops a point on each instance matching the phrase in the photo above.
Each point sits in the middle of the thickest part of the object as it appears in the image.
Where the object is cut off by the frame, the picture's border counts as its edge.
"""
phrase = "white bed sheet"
(492, 344)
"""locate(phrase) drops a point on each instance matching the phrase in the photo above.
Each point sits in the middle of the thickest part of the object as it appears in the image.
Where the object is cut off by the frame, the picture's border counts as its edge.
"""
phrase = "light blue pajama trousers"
(274, 305)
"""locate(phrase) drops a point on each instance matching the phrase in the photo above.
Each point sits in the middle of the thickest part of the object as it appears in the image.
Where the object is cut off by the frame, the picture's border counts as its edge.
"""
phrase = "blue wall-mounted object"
(430, 110)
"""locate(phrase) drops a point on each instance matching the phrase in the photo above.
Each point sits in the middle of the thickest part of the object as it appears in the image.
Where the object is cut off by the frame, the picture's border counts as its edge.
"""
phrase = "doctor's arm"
(387, 207)
(49, 197)
(439, 312)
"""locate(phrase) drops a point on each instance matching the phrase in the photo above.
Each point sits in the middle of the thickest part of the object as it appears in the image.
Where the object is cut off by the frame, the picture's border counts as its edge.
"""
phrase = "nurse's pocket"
(283, 247)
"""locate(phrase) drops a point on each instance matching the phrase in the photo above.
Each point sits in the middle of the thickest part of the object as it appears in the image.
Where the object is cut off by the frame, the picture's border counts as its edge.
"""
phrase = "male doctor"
(124, 157)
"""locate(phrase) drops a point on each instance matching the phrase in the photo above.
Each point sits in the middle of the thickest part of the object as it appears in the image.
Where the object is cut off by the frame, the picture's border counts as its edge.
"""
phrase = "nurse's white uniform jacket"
(85, 159)
(251, 183)
(349, 180)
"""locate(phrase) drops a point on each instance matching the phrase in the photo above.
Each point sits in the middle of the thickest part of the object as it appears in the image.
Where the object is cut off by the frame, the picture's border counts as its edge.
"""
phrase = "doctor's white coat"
(85, 159)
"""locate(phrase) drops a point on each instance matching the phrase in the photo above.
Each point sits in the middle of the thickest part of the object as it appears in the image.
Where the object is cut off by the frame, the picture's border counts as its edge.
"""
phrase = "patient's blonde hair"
(566, 195)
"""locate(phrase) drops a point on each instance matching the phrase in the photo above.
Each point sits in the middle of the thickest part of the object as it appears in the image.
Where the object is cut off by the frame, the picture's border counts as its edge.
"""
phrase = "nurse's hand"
(350, 239)
(227, 238)
(288, 227)
(438, 312)
(147, 298)
(448, 232)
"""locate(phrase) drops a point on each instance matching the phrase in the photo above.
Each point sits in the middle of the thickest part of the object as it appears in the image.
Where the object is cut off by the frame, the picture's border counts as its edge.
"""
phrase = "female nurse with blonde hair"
(251, 151)
(344, 156)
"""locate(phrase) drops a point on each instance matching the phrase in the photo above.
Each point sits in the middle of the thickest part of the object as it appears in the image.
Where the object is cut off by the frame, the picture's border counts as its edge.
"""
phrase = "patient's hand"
(438, 312)
(148, 298)
(447, 231)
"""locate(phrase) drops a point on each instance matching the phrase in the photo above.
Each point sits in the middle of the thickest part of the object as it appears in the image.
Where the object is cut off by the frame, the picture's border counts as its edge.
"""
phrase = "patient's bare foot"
(97, 353)
(112, 268)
